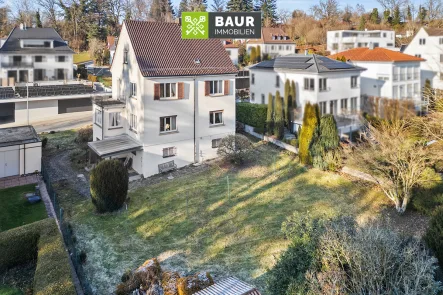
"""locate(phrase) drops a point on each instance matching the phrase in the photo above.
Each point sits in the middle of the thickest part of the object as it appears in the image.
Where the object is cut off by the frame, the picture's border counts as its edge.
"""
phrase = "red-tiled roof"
(161, 51)
(267, 37)
(376, 54)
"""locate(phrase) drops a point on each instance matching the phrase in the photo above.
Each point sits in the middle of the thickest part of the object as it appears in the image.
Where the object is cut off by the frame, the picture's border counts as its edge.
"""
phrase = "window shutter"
(181, 90)
(157, 91)
(226, 90)
(207, 87)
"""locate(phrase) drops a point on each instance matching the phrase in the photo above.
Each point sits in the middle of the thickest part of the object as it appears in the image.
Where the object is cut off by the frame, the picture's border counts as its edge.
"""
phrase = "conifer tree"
(258, 53)
(396, 19)
(286, 104)
(374, 16)
(309, 130)
(362, 24)
(278, 116)
(293, 101)
(38, 21)
(253, 56)
(183, 7)
(325, 147)
(270, 115)
(268, 9)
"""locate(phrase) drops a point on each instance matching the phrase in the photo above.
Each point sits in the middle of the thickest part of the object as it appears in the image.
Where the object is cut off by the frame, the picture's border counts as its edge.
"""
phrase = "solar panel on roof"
(293, 65)
(337, 65)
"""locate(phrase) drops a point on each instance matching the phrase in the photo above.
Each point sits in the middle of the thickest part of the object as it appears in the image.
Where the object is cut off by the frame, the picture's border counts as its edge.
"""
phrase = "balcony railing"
(324, 89)
(17, 64)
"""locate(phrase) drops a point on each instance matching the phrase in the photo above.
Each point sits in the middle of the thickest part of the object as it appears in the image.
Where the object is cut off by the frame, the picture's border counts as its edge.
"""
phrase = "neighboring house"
(389, 74)
(33, 55)
(232, 50)
(274, 42)
(333, 85)
(231, 286)
(173, 99)
(428, 44)
(20, 151)
(111, 44)
(342, 40)
(311, 49)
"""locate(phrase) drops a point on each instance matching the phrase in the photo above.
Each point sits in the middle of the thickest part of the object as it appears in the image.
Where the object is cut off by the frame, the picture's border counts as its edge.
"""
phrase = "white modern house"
(274, 42)
(333, 85)
(173, 100)
(390, 74)
(35, 55)
(428, 44)
(342, 40)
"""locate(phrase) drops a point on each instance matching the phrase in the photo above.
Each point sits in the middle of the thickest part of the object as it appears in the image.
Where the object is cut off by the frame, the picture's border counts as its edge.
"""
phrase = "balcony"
(324, 89)
(17, 64)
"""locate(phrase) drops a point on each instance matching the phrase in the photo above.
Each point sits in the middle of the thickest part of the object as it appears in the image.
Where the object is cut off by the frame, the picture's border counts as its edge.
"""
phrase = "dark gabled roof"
(161, 51)
(18, 135)
(307, 63)
(12, 43)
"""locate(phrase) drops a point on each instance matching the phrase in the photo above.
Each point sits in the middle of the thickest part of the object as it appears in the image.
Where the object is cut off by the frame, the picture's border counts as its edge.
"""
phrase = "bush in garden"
(44, 142)
(279, 123)
(309, 130)
(84, 135)
(325, 147)
(235, 148)
(293, 100)
(429, 194)
(109, 185)
(287, 103)
(252, 114)
(434, 234)
(270, 115)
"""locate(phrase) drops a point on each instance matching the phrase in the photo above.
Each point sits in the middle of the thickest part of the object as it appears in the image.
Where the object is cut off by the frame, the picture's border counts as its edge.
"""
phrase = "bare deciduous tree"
(327, 11)
(50, 11)
(392, 4)
(434, 9)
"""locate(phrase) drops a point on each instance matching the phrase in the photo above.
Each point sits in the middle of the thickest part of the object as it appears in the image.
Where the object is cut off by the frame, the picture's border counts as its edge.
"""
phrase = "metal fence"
(67, 233)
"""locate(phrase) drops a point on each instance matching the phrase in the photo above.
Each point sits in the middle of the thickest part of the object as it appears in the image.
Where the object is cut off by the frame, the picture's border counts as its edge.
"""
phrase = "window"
(390, 44)
(441, 57)
(133, 89)
(288, 47)
(440, 41)
(333, 107)
(422, 41)
(252, 96)
(229, 52)
(272, 47)
(280, 47)
(322, 105)
(402, 74)
(252, 78)
(133, 122)
(353, 105)
(334, 46)
(395, 92)
(416, 86)
(263, 99)
(216, 143)
(309, 84)
(98, 117)
(354, 80)
(344, 104)
(216, 87)
(409, 71)
(216, 118)
(168, 124)
(125, 57)
(60, 74)
(322, 84)
(38, 58)
(277, 81)
(402, 91)
(169, 152)
(418, 55)
(115, 120)
(376, 44)
(61, 58)
(168, 90)
(384, 35)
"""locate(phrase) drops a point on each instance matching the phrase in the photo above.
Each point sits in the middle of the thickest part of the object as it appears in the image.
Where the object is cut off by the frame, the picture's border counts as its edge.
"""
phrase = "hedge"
(251, 114)
(43, 241)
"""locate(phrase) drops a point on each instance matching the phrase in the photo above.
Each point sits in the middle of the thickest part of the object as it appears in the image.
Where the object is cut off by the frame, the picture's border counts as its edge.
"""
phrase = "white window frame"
(115, 120)
(354, 104)
(133, 89)
(322, 105)
(219, 88)
(163, 88)
(98, 117)
(216, 143)
(171, 118)
(322, 84)
(212, 115)
(133, 123)
(170, 152)
(61, 56)
(307, 86)
(354, 81)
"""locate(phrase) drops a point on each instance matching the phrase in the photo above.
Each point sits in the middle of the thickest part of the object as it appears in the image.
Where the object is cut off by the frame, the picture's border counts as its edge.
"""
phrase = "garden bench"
(168, 166)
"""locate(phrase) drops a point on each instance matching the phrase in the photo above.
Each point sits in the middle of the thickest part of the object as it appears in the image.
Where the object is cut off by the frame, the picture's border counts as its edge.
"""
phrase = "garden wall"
(288, 147)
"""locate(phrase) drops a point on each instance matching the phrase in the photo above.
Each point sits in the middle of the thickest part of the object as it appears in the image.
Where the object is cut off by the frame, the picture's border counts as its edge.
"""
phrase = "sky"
(305, 5)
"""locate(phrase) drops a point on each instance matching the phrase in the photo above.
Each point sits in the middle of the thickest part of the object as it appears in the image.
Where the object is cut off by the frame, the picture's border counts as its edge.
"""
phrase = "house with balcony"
(428, 44)
(333, 85)
(342, 40)
(173, 100)
(274, 42)
(390, 74)
(35, 55)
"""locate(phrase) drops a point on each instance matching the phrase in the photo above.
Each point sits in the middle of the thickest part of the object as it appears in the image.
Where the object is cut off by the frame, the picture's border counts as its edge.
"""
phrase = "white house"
(342, 40)
(33, 55)
(333, 85)
(428, 44)
(389, 74)
(172, 100)
(232, 50)
(20, 151)
(274, 42)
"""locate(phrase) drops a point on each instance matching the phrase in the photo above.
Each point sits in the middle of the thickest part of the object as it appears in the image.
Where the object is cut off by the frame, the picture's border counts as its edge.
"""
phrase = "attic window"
(197, 61)
(273, 37)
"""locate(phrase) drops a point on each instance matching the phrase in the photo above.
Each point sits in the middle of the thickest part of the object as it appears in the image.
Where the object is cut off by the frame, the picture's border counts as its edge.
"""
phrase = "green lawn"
(81, 57)
(5, 290)
(16, 211)
(193, 223)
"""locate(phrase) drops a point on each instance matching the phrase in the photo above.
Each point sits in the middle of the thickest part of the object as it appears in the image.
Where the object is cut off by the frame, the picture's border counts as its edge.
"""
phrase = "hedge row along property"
(42, 241)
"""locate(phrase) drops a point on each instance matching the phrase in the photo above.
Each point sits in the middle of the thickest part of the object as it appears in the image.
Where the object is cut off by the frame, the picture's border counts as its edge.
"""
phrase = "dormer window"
(29, 43)
(274, 37)
(125, 57)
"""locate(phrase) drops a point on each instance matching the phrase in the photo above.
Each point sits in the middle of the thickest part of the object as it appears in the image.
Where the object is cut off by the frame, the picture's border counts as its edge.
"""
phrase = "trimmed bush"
(279, 123)
(287, 103)
(325, 148)
(235, 148)
(84, 135)
(293, 100)
(434, 234)
(309, 130)
(251, 114)
(270, 115)
(40, 240)
(109, 185)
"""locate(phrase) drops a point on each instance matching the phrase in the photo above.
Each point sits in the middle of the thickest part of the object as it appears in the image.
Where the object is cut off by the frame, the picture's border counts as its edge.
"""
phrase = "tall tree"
(253, 56)
(362, 24)
(293, 101)
(391, 4)
(325, 148)
(161, 11)
(327, 11)
(258, 53)
(268, 9)
(434, 9)
(396, 18)
(347, 14)
(270, 115)
(286, 104)
(218, 5)
(422, 14)
(309, 129)
(183, 7)
(197, 5)
(387, 19)
(38, 20)
(50, 12)
(375, 19)
(279, 122)
(409, 13)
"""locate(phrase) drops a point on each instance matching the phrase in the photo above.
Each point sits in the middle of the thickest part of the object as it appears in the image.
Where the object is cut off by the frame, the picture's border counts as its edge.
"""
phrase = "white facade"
(339, 97)
(430, 48)
(342, 40)
(272, 50)
(190, 138)
(233, 54)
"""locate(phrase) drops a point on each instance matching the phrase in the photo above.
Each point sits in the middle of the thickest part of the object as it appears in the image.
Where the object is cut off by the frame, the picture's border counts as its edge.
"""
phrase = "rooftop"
(376, 54)
(18, 135)
(229, 286)
(109, 102)
(160, 51)
(307, 63)
(272, 36)
(12, 43)
(115, 145)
